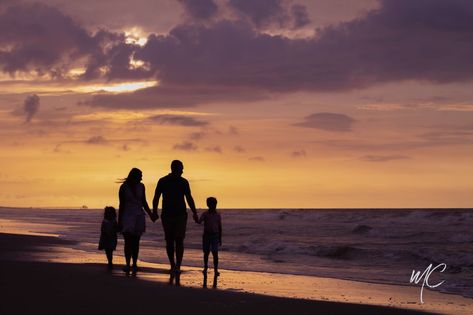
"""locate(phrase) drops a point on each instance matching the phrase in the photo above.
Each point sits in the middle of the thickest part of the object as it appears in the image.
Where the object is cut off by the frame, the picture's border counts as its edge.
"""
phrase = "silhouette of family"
(175, 192)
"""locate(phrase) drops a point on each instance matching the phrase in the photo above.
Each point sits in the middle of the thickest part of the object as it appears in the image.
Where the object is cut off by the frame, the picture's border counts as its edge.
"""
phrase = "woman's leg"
(109, 254)
(136, 249)
(128, 248)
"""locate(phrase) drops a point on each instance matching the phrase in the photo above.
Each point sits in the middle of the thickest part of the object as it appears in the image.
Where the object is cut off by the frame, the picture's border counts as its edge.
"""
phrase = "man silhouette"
(174, 189)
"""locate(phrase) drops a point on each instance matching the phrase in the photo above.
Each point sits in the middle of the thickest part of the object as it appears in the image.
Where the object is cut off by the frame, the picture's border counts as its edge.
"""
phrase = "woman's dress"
(131, 206)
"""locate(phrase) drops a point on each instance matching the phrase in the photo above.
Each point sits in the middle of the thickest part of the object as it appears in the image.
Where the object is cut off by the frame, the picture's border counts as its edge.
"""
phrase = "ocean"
(371, 245)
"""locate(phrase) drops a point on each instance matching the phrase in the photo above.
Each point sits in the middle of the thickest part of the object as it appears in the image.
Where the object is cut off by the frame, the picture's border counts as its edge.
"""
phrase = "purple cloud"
(300, 15)
(299, 153)
(383, 158)
(201, 9)
(185, 146)
(261, 12)
(234, 61)
(97, 140)
(216, 149)
(257, 158)
(177, 120)
(328, 121)
(238, 149)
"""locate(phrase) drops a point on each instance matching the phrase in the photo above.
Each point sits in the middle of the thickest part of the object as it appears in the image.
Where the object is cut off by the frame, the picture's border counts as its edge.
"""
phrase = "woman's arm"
(145, 204)
(121, 207)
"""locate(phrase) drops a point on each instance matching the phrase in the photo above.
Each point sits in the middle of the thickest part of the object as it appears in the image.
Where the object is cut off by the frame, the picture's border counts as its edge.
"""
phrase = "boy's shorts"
(210, 242)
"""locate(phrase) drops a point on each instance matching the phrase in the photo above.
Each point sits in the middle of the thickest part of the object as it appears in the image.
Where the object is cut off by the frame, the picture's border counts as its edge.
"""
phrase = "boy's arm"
(201, 219)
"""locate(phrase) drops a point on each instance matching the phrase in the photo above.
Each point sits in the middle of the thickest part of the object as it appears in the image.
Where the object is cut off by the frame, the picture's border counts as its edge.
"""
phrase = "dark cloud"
(232, 130)
(40, 38)
(216, 149)
(175, 96)
(392, 43)
(383, 158)
(300, 15)
(233, 61)
(238, 149)
(59, 148)
(97, 140)
(201, 9)
(298, 153)
(178, 120)
(261, 12)
(257, 158)
(185, 146)
(328, 121)
(197, 135)
(31, 106)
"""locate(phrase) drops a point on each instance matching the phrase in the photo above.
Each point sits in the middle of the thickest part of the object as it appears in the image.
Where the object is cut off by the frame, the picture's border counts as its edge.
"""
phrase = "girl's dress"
(108, 235)
(132, 216)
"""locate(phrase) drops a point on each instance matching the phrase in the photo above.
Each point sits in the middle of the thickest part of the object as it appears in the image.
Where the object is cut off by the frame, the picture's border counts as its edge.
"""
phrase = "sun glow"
(136, 36)
(120, 87)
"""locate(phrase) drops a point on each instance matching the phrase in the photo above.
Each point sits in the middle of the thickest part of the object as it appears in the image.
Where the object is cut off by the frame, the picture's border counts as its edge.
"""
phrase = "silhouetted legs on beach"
(109, 253)
(206, 262)
(132, 249)
(175, 247)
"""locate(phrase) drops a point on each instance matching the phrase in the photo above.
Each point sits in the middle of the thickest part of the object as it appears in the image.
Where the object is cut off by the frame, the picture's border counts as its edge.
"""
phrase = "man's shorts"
(210, 242)
(174, 227)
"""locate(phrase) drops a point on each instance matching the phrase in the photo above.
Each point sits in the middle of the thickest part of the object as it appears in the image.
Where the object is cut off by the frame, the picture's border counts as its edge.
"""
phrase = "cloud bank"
(233, 59)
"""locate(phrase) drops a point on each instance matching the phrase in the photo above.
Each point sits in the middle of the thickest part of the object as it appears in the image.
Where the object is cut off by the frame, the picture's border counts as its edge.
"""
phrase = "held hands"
(154, 216)
(195, 217)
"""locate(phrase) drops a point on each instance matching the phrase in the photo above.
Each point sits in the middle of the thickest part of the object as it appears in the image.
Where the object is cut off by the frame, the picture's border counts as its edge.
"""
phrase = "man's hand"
(195, 217)
(154, 217)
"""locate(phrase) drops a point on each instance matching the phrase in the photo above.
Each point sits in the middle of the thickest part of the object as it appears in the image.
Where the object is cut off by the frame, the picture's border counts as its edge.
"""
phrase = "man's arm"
(145, 204)
(220, 230)
(157, 195)
(190, 202)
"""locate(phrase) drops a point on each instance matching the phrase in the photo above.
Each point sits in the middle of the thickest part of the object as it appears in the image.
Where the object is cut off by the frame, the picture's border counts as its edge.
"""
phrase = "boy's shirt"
(212, 221)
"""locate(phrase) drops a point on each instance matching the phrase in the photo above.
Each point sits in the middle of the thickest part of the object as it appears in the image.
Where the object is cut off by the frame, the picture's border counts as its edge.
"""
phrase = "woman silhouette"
(131, 217)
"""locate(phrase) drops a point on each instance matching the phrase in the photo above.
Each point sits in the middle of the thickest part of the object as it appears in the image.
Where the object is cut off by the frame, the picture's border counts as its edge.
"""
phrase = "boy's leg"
(206, 260)
(215, 257)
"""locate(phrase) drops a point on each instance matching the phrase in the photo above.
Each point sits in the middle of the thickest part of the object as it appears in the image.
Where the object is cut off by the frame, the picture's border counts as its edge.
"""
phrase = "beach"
(44, 274)
(42, 287)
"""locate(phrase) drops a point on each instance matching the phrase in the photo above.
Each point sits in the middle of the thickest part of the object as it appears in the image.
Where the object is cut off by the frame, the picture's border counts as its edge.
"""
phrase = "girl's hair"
(133, 176)
(109, 212)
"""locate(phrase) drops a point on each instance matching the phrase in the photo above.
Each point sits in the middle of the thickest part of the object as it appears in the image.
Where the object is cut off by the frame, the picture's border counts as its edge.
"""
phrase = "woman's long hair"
(133, 178)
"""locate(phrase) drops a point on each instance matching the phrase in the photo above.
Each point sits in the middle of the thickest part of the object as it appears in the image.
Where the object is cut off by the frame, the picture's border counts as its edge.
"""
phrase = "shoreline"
(27, 254)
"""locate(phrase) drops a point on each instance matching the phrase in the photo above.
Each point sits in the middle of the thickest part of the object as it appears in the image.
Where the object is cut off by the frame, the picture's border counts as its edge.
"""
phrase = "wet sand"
(44, 275)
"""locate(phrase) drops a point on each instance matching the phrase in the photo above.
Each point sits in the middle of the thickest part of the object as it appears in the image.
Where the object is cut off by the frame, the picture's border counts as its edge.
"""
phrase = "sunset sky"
(269, 103)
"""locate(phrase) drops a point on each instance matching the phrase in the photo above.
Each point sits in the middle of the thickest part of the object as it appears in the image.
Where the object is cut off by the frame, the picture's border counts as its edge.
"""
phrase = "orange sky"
(400, 143)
